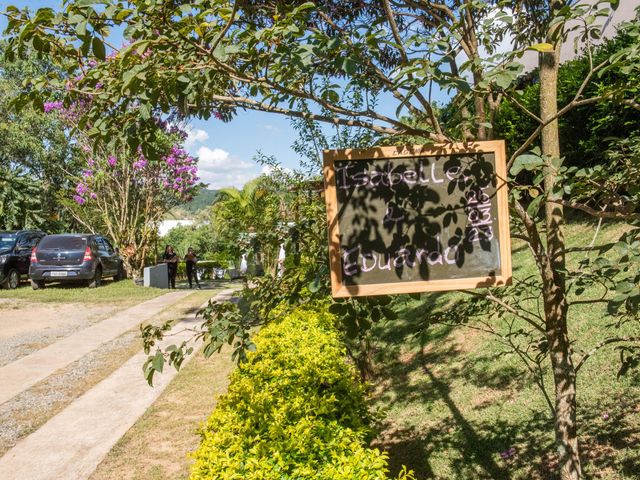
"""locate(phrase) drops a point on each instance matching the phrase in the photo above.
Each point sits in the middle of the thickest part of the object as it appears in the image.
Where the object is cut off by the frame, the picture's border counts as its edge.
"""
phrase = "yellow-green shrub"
(294, 411)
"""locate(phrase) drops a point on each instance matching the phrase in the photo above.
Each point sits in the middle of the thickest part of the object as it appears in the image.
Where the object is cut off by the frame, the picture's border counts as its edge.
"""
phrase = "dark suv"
(63, 258)
(15, 249)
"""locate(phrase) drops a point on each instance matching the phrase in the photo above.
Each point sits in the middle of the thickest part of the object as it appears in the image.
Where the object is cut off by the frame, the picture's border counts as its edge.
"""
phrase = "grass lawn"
(124, 292)
(451, 400)
(157, 446)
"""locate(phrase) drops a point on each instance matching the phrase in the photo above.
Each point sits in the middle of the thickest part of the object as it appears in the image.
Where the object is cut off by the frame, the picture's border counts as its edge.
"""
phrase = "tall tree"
(35, 152)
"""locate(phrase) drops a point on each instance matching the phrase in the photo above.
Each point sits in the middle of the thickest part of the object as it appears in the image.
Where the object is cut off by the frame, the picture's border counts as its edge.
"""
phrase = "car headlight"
(3, 258)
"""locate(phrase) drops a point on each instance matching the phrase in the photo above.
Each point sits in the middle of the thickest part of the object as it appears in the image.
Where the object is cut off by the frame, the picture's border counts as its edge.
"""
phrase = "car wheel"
(96, 281)
(37, 284)
(121, 275)
(13, 279)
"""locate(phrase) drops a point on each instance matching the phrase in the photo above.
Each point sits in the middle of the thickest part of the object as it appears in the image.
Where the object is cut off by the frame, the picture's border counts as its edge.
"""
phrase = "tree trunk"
(554, 287)
(483, 133)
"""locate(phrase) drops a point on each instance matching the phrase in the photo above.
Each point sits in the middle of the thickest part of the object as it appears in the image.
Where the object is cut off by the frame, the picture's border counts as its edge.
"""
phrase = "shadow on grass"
(432, 434)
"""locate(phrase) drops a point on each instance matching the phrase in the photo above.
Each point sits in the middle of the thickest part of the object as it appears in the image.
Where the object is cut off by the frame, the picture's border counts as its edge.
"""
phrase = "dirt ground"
(27, 327)
(18, 317)
(28, 411)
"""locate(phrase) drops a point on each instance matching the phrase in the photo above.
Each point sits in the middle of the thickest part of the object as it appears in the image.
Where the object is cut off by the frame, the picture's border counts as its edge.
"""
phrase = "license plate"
(58, 274)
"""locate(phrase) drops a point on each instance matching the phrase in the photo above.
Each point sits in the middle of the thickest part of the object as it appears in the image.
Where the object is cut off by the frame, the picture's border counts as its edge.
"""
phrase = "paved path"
(27, 371)
(72, 444)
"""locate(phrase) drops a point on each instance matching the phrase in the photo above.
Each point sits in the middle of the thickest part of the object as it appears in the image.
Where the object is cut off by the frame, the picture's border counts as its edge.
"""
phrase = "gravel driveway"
(25, 327)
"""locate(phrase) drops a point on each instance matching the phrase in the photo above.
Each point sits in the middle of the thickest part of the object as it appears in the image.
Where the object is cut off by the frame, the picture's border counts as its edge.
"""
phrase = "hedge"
(294, 410)
(204, 266)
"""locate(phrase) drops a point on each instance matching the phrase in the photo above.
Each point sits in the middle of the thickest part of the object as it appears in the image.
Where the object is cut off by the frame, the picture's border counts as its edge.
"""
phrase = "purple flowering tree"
(123, 193)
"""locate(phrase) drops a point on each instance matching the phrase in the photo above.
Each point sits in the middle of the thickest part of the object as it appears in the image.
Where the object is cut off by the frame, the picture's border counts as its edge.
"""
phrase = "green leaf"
(349, 66)
(81, 28)
(534, 206)
(527, 161)
(158, 361)
(315, 285)
(97, 46)
(542, 47)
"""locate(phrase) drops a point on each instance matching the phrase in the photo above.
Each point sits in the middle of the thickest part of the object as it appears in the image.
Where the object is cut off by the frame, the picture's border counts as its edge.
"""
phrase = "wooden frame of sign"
(496, 247)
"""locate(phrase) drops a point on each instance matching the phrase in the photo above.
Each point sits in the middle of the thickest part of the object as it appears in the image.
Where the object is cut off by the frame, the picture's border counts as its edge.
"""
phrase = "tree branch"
(602, 344)
(596, 213)
(226, 27)
(251, 104)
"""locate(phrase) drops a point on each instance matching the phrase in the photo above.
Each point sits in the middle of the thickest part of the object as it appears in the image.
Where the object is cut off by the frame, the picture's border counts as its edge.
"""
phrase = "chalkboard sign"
(417, 219)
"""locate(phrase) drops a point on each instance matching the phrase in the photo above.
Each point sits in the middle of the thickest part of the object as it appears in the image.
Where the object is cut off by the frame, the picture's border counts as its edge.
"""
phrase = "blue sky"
(226, 150)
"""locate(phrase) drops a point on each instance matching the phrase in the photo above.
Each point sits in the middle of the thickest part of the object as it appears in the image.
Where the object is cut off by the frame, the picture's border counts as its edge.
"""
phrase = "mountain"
(189, 210)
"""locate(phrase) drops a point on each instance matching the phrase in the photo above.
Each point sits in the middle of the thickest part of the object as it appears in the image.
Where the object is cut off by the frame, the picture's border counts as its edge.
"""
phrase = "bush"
(294, 410)
(205, 268)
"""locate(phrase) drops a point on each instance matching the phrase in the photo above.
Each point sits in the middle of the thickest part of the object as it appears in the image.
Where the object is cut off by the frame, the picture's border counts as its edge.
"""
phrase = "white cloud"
(268, 169)
(195, 135)
(219, 168)
(271, 128)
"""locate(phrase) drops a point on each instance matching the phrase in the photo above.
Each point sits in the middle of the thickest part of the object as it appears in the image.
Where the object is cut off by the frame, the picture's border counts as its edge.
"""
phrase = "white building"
(624, 13)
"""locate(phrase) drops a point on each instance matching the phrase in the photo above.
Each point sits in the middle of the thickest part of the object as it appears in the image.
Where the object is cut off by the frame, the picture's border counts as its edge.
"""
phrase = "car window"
(23, 241)
(7, 241)
(100, 243)
(108, 245)
(31, 240)
(62, 242)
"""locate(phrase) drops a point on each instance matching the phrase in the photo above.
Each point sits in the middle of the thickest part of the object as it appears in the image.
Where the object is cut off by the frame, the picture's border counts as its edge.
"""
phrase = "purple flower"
(510, 452)
(93, 195)
(112, 161)
(140, 164)
(91, 162)
(51, 106)
(78, 199)
(177, 151)
(605, 415)
(86, 148)
(87, 173)
(81, 189)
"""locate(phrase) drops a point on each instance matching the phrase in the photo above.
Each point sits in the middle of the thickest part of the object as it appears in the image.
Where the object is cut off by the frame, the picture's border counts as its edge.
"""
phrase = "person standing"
(191, 259)
(171, 259)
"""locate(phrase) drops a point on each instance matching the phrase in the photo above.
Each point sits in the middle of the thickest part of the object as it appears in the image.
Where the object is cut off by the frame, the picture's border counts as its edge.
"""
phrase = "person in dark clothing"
(171, 259)
(191, 259)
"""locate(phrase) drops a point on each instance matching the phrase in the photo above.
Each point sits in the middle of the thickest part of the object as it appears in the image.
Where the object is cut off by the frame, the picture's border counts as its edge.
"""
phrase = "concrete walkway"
(27, 371)
(72, 444)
